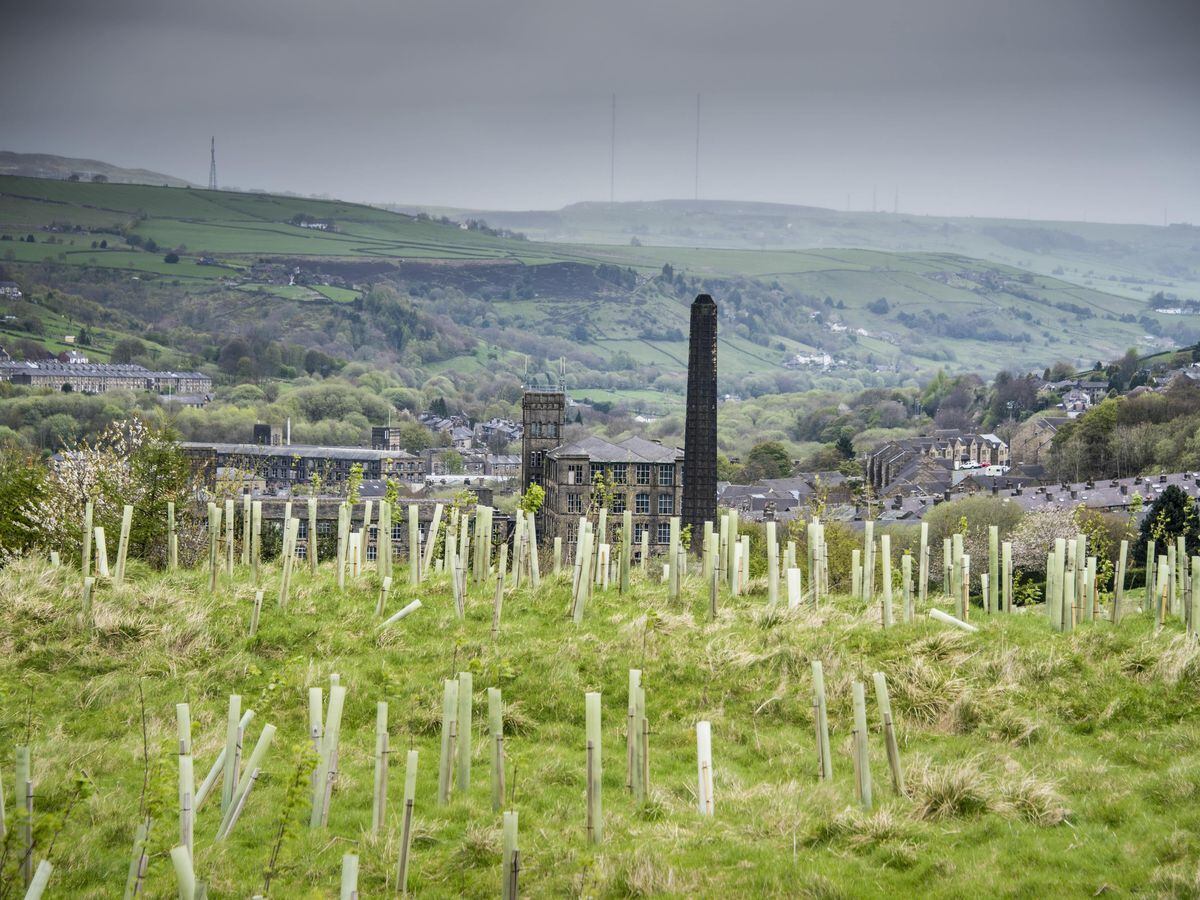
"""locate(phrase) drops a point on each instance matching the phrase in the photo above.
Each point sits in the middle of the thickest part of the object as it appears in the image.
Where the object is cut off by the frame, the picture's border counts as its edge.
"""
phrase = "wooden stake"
(253, 766)
(187, 784)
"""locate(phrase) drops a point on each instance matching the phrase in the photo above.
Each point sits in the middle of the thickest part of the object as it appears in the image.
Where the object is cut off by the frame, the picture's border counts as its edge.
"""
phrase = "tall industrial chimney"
(700, 428)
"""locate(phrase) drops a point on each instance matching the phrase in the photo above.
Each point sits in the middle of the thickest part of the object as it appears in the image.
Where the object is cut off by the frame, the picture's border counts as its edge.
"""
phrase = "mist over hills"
(1130, 260)
(48, 165)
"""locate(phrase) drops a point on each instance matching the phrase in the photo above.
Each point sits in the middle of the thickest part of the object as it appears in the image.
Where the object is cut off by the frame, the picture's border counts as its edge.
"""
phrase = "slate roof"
(634, 449)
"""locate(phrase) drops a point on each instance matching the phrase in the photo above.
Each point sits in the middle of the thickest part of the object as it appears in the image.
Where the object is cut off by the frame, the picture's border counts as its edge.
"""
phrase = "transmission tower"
(212, 165)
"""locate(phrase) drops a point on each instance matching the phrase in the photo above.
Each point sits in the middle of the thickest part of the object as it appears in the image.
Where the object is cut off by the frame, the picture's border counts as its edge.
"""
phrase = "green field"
(1130, 260)
(1039, 764)
(1004, 316)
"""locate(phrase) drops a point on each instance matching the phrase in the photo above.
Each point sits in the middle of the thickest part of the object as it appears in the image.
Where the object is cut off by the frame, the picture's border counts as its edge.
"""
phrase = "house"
(901, 460)
(98, 378)
(10, 289)
(1032, 439)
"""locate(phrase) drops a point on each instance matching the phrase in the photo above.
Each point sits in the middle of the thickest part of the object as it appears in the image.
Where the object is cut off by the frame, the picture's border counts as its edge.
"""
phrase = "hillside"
(479, 299)
(1130, 260)
(1017, 744)
(46, 165)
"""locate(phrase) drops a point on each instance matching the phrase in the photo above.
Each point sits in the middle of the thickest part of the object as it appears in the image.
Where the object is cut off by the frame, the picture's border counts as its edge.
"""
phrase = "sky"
(1069, 109)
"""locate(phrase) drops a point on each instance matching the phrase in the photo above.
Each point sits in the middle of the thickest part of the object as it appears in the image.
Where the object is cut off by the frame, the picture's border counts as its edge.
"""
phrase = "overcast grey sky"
(1050, 108)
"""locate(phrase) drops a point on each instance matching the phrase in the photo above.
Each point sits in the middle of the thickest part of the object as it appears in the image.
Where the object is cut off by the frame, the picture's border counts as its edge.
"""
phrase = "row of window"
(641, 504)
(662, 533)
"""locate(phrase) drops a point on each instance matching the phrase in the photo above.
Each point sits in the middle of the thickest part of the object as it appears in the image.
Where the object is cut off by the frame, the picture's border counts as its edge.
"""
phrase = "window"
(664, 532)
(666, 504)
(620, 473)
(572, 533)
(666, 475)
(638, 530)
(618, 503)
(574, 503)
(372, 553)
(641, 504)
(575, 473)
(302, 551)
(397, 531)
(302, 528)
(324, 526)
(643, 473)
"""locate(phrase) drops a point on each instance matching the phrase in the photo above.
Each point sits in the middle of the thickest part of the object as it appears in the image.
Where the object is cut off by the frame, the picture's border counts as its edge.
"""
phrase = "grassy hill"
(47, 165)
(607, 308)
(1130, 260)
(1038, 764)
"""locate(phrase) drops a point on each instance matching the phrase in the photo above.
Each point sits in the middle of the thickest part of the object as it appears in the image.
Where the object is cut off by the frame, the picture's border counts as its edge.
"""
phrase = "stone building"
(97, 378)
(284, 467)
(543, 413)
(904, 459)
(640, 475)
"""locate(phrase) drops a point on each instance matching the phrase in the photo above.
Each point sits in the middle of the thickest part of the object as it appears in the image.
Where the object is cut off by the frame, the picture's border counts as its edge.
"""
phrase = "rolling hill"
(303, 267)
(1130, 260)
(47, 165)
